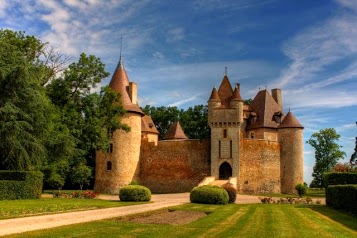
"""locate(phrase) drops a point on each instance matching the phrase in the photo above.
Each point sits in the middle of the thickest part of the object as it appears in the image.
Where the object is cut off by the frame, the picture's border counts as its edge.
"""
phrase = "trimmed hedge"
(134, 193)
(20, 184)
(342, 197)
(208, 194)
(338, 178)
(232, 192)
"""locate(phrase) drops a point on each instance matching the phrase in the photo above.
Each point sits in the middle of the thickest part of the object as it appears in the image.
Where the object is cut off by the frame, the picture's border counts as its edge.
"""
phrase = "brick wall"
(259, 167)
(174, 166)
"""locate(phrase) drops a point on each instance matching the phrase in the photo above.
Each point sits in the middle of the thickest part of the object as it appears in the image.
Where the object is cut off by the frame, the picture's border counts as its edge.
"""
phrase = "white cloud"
(175, 34)
(3, 7)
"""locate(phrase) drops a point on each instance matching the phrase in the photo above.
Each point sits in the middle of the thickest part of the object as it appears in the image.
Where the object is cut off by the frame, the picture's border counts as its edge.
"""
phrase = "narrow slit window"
(230, 149)
(111, 148)
(225, 133)
(109, 165)
(219, 149)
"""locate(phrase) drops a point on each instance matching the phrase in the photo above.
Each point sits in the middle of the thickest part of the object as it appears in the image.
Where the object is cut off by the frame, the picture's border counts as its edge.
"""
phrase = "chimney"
(133, 92)
(276, 93)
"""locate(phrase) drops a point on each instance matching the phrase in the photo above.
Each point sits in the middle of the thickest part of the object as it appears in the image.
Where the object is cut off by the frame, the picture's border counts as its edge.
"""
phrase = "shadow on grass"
(347, 219)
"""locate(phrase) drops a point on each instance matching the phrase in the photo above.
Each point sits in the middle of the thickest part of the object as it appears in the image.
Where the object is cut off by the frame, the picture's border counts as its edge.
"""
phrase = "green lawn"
(28, 207)
(254, 220)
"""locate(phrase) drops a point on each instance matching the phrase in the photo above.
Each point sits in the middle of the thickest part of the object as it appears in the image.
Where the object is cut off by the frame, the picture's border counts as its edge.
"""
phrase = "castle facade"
(257, 147)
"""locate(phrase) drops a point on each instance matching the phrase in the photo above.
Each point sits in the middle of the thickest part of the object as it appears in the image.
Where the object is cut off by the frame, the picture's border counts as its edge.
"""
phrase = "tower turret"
(237, 102)
(290, 134)
(120, 165)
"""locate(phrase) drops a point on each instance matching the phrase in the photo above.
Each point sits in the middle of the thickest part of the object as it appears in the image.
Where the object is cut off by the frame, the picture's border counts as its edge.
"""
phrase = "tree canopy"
(194, 120)
(50, 120)
(327, 153)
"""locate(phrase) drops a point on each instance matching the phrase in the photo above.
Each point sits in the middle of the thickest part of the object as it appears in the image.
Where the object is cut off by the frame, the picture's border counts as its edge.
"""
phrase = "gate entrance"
(225, 171)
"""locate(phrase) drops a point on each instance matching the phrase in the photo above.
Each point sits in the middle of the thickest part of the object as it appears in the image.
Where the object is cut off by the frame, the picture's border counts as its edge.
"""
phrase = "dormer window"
(253, 118)
(151, 125)
(277, 117)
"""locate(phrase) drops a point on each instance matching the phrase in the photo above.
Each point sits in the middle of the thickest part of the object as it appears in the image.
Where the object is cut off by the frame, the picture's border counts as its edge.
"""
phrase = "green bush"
(342, 197)
(208, 194)
(301, 189)
(232, 192)
(20, 184)
(337, 178)
(134, 193)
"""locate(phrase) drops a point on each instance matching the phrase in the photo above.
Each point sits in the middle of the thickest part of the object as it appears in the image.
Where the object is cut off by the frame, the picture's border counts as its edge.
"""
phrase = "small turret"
(237, 102)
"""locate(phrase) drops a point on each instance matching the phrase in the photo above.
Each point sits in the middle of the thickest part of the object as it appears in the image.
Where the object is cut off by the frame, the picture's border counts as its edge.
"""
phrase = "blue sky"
(177, 50)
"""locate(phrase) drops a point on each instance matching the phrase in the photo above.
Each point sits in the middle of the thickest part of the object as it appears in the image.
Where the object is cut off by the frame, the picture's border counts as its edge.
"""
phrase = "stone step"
(219, 182)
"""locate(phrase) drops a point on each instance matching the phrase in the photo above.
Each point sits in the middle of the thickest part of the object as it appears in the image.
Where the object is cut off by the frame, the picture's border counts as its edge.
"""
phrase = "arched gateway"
(225, 171)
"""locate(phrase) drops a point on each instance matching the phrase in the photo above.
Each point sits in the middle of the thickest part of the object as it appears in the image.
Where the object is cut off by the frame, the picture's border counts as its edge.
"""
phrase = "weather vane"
(225, 70)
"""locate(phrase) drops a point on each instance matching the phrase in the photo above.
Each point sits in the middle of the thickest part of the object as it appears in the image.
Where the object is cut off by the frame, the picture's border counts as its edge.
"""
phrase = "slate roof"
(147, 125)
(120, 83)
(175, 132)
(290, 121)
(265, 107)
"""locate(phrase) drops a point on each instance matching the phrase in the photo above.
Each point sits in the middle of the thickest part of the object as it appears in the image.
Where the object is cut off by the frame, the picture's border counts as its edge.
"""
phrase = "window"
(109, 165)
(111, 148)
(224, 133)
(219, 149)
(252, 135)
(230, 149)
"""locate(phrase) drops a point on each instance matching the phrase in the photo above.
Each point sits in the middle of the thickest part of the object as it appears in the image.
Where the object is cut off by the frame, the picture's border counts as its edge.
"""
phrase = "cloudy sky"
(177, 50)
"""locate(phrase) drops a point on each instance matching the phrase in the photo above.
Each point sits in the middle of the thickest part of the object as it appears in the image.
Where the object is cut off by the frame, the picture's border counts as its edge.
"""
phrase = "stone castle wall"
(292, 167)
(259, 167)
(124, 159)
(174, 166)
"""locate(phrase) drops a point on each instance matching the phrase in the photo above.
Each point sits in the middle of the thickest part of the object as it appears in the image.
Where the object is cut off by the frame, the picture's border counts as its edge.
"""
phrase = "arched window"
(109, 165)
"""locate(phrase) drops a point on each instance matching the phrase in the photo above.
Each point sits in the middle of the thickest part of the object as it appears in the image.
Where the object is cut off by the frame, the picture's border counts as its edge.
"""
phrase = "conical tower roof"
(225, 91)
(290, 121)
(236, 94)
(214, 95)
(120, 83)
(175, 132)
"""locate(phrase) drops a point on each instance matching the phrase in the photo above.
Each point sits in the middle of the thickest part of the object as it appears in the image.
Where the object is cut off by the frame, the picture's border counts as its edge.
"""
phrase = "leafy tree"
(327, 153)
(248, 101)
(24, 108)
(353, 160)
(301, 189)
(81, 174)
(194, 120)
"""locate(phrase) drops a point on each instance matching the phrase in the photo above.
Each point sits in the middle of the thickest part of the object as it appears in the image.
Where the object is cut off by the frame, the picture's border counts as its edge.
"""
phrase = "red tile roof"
(290, 121)
(236, 93)
(175, 132)
(225, 92)
(214, 95)
(147, 125)
(120, 83)
(265, 107)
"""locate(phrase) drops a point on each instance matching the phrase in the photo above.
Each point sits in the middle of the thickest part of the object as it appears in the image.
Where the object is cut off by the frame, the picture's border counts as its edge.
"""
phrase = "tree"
(353, 160)
(327, 153)
(81, 174)
(194, 120)
(301, 189)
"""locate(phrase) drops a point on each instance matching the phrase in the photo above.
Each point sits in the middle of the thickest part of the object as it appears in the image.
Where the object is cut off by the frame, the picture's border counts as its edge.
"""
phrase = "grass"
(29, 207)
(312, 193)
(249, 220)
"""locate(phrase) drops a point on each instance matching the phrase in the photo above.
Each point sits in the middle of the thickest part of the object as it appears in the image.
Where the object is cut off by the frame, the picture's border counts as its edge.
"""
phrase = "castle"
(256, 147)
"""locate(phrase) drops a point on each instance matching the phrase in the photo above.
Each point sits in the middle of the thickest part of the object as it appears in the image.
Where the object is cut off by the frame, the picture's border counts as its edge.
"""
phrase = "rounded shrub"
(209, 194)
(301, 189)
(134, 193)
(232, 192)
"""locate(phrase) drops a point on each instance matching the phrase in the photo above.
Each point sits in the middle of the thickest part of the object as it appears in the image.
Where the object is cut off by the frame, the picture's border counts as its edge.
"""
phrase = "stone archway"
(225, 171)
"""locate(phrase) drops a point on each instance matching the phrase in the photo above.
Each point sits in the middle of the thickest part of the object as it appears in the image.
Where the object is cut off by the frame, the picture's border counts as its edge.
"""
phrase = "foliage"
(134, 193)
(20, 185)
(81, 174)
(340, 178)
(77, 194)
(270, 200)
(345, 167)
(327, 153)
(248, 101)
(301, 189)
(232, 192)
(194, 120)
(208, 194)
(342, 197)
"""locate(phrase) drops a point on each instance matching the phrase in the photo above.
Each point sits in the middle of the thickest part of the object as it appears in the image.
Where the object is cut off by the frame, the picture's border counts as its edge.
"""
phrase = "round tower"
(237, 102)
(290, 134)
(120, 165)
(214, 101)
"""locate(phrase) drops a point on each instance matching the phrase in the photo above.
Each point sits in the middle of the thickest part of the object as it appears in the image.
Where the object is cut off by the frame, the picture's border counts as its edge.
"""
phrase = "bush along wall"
(20, 184)
(338, 178)
(342, 197)
(208, 194)
(134, 193)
